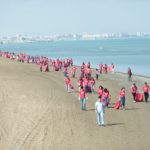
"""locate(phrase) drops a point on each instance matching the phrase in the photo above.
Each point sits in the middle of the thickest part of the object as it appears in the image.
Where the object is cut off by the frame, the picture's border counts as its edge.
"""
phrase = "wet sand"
(36, 113)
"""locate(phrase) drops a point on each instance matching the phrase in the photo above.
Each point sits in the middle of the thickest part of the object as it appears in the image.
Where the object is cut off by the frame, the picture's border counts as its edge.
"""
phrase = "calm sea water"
(124, 53)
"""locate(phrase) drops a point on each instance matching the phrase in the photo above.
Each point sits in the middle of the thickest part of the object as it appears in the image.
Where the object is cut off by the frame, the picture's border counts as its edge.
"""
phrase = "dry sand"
(36, 113)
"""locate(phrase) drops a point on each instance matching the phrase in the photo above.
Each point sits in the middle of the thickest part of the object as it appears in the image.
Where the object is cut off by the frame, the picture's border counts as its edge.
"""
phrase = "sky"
(49, 17)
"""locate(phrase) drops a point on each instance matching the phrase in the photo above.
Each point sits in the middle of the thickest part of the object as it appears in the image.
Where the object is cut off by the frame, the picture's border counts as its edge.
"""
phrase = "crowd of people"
(86, 82)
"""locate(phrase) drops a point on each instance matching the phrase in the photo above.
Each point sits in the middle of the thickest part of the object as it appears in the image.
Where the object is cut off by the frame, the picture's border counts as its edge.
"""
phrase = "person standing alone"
(129, 74)
(82, 98)
(134, 91)
(122, 98)
(146, 90)
(99, 109)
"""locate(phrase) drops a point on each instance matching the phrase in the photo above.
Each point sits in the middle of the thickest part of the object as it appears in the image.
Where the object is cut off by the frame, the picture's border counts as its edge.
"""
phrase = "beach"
(36, 113)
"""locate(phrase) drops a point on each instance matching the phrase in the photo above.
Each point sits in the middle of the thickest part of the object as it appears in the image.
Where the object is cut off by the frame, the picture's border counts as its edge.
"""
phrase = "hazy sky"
(73, 16)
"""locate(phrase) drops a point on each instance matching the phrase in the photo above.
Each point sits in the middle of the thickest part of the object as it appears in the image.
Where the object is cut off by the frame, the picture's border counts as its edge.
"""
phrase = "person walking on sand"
(99, 109)
(65, 71)
(67, 82)
(129, 74)
(122, 98)
(100, 91)
(73, 71)
(106, 97)
(82, 98)
(134, 91)
(92, 84)
(146, 90)
(101, 68)
(97, 73)
(112, 68)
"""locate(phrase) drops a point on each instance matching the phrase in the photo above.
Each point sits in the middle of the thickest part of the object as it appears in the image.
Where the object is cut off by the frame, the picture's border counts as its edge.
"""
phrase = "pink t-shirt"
(67, 80)
(133, 89)
(100, 92)
(82, 93)
(122, 94)
(146, 88)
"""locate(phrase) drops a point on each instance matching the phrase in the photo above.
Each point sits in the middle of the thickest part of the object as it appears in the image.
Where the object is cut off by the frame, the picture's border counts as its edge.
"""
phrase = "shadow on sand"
(113, 124)
(132, 108)
(91, 109)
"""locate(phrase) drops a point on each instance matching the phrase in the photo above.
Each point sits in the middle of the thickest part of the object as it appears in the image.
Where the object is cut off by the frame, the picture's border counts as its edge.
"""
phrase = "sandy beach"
(36, 113)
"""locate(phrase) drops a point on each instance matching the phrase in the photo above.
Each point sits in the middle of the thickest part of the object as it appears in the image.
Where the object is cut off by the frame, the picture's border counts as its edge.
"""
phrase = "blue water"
(124, 53)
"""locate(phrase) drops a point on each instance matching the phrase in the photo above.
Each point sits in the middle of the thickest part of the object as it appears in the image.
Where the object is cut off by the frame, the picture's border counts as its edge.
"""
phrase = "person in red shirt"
(82, 98)
(80, 83)
(67, 82)
(73, 71)
(85, 84)
(106, 96)
(122, 98)
(105, 68)
(92, 84)
(112, 68)
(129, 74)
(65, 71)
(134, 91)
(101, 68)
(100, 91)
(146, 90)
(88, 71)
(97, 73)
(41, 66)
(82, 72)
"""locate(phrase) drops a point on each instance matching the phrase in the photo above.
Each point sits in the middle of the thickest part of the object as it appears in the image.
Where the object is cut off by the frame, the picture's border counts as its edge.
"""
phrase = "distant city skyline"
(49, 17)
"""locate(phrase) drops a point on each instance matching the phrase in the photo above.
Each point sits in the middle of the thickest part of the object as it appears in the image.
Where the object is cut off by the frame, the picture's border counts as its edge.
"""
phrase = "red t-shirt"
(100, 92)
(67, 80)
(82, 93)
(86, 82)
(92, 82)
(122, 93)
(106, 94)
(80, 82)
(133, 89)
(146, 88)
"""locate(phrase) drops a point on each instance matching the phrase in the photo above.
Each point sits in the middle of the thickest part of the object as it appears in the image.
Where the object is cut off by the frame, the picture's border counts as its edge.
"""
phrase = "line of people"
(86, 83)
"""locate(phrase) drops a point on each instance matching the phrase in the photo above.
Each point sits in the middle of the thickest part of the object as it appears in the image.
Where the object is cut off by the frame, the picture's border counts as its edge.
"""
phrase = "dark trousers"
(96, 76)
(146, 95)
(134, 95)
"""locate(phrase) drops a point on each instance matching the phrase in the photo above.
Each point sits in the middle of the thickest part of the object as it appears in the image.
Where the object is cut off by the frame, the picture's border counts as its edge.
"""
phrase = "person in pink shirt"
(105, 68)
(80, 83)
(85, 84)
(106, 96)
(88, 70)
(73, 71)
(41, 66)
(134, 91)
(122, 98)
(112, 68)
(100, 91)
(129, 74)
(92, 84)
(67, 82)
(83, 64)
(97, 73)
(82, 72)
(82, 98)
(146, 90)
(101, 68)
(65, 71)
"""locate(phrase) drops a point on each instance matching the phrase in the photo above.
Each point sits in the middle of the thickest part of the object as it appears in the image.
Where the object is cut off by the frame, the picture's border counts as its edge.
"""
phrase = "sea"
(124, 53)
